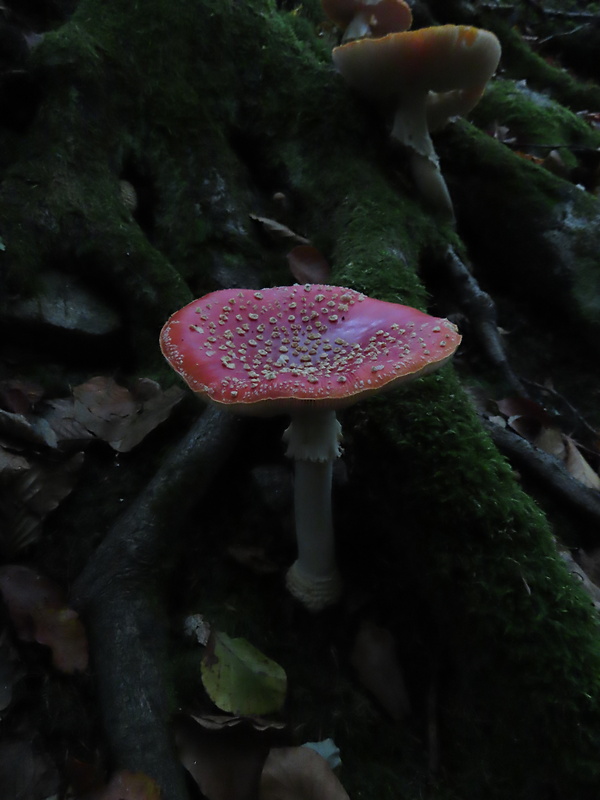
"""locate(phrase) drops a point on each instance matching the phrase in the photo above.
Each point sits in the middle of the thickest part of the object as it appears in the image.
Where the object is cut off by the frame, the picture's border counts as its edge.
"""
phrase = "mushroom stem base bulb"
(315, 594)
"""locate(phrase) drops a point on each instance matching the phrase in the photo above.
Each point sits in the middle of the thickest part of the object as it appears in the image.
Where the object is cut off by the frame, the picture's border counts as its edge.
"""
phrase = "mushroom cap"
(438, 59)
(289, 348)
(385, 16)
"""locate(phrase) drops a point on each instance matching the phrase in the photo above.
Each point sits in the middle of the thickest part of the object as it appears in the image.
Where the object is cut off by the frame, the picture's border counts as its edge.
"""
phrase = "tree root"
(118, 595)
(547, 468)
(480, 309)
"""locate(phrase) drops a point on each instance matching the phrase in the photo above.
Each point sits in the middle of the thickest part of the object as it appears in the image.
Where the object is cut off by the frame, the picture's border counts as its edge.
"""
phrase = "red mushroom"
(431, 74)
(360, 18)
(304, 351)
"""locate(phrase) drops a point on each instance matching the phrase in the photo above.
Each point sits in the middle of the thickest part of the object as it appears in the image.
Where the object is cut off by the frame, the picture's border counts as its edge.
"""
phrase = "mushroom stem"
(411, 129)
(313, 440)
(432, 185)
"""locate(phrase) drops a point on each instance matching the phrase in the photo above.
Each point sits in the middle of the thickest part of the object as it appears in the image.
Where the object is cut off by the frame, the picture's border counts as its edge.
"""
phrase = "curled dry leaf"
(308, 265)
(299, 773)
(11, 464)
(121, 417)
(60, 415)
(32, 430)
(39, 613)
(226, 764)
(26, 773)
(33, 489)
(578, 467)
(531, 421)
(216, 722)
(278, 231)
(525, 416)
(376, 663)
(19, 396)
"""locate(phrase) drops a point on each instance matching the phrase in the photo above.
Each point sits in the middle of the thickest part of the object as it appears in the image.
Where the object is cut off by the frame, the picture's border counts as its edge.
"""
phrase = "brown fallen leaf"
(126, 785)
(308, 265)
(278, 231)
(552, 441)
(34, 488)
(39, 613)
(227, 763)
(376, 663)
(70, 432)
(216, 722)
(121, 417)
(524, 416)
(26, 773)
(578, 467)
(299, 773)
(30, 429)
(19, 396)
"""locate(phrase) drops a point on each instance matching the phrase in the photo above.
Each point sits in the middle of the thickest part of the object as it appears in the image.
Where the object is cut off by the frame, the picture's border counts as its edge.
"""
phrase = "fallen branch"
(118, 593)
(551, 471)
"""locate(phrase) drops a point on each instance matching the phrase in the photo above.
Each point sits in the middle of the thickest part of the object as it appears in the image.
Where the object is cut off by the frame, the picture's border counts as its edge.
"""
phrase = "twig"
(551, 471)
(539, 9)
(118, 595)
(480, 309)
(571, 408)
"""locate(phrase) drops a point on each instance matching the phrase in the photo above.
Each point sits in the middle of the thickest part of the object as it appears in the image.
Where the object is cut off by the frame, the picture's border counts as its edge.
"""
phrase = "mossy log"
(211, 108)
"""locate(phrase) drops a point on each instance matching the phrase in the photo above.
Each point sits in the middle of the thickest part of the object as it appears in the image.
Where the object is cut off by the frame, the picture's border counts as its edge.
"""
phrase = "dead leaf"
(278, 231)
(44, 486)
(376, 663)
(226, 764)
(216, 722)
(299, 773)
(308, 265)
(29, 495)
(551, 441)
(119, 416)
(578, 467)
(26, 773)
(34, 430)
(126, 785)
(39, 613)
(60, 415)
(19, 396)
(524, 416)
(11, 464)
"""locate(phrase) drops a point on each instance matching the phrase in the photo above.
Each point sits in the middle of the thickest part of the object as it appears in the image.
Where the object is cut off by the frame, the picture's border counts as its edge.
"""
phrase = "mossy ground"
(209, 108)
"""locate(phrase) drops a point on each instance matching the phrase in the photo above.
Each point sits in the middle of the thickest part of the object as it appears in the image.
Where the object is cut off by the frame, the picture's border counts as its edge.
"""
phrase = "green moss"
(492, 548)
(536, 122)
(521, 63)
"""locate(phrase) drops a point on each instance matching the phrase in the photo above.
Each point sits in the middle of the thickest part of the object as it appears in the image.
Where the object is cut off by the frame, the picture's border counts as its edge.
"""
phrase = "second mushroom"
(431, 75)
(305, 351)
